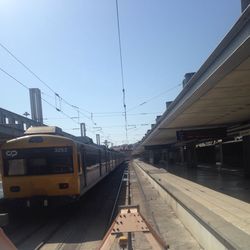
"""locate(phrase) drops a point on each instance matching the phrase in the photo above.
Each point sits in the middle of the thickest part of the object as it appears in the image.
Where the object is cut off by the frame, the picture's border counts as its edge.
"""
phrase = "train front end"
(39, 167)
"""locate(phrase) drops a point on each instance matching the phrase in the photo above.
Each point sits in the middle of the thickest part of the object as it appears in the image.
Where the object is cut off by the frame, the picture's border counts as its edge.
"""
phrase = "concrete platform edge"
(210, 230)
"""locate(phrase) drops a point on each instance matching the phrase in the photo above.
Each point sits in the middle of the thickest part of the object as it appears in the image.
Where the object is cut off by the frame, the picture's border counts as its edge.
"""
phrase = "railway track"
(77, 226)
(82, 225)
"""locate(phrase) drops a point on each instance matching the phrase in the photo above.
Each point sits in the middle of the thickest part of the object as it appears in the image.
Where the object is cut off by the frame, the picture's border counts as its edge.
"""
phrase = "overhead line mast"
(122, 73)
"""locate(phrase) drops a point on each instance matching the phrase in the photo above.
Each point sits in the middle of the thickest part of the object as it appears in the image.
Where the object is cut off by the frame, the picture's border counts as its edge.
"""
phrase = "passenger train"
(46, 165)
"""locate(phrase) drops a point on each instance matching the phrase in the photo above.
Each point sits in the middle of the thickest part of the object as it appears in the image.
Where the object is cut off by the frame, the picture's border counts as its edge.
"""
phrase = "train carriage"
(47, 165)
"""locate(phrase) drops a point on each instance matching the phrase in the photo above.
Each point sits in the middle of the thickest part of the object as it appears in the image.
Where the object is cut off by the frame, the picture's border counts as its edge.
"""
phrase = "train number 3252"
(61, 150)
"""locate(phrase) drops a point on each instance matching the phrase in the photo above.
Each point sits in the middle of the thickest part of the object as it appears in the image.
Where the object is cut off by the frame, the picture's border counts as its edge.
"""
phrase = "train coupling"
(38, 202)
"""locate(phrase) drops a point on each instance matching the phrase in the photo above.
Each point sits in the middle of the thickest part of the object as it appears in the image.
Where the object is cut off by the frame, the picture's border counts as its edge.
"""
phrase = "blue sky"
(73, 47)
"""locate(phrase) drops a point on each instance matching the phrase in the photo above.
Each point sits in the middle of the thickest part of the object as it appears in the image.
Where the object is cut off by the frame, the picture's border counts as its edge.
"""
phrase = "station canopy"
(217, 95)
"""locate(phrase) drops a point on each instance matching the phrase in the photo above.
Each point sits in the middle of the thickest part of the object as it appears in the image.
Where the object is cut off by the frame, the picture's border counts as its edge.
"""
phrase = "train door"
(109, 159)
(83, 177)
(106, 160)
(100, 161)
(80, 172)
(112, 160)
(103, 162)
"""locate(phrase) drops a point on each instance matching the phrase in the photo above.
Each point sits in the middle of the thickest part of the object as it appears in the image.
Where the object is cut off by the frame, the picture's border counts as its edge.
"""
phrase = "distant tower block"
(83, 129)
(98, 141)
(36, 105)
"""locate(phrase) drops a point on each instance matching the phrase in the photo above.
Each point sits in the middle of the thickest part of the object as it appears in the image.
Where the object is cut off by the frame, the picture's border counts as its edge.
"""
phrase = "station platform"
(225, 217)
(230, 181)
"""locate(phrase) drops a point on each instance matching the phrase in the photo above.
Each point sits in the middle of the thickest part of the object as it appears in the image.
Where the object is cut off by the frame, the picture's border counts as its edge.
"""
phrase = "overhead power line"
(97, 114)
(26, 67)
(38, 78)
(9, 75)
(26, 87)
(60, 111)
(101, 116)
(129, 114)
(122, 72)
(154, 97)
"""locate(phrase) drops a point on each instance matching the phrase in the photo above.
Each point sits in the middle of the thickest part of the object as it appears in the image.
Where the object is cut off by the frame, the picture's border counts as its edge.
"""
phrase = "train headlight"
(15, 189)
(63, 185)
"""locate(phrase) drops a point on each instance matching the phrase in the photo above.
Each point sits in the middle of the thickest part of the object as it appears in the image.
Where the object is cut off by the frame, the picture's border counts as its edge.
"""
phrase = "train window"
(17, 167)
(37, 165)
(38, 161)
(79, 163)
(92, 158)
(60, 165)
(103, 158)
(6, 121)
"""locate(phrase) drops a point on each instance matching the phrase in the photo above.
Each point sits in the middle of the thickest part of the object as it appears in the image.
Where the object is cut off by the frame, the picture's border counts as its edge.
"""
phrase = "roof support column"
(191, 156)
(182, 156)
(151, 156)
(246, 155)
(219, 155)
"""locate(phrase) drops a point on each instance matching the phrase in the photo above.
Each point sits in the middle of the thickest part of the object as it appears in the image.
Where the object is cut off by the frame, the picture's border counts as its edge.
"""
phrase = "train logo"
(11, 153)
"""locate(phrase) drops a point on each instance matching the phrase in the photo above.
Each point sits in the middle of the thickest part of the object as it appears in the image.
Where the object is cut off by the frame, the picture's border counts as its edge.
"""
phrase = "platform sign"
(201, 134)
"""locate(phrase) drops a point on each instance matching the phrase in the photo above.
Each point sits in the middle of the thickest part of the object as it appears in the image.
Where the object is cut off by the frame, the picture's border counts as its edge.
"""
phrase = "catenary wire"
(38, 78)
(5, 72)
(76, 107)
(154, 97)
(122, 72)
(25, 86)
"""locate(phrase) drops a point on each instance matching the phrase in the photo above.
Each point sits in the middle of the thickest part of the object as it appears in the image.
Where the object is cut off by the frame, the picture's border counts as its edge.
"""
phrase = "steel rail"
(112, 215)
(54, 231)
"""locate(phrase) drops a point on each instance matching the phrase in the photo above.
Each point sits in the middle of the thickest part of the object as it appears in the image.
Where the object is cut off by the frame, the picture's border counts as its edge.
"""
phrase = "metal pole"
(83, 129)
(98, 139)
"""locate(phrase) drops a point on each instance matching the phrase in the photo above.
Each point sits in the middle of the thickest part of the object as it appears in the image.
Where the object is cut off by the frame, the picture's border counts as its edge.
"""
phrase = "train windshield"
(38, 161)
